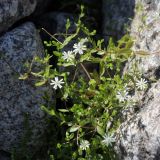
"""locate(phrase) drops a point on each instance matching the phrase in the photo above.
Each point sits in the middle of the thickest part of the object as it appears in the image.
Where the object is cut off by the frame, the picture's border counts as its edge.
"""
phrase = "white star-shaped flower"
(56, 83)
(141, 84)
(79, 48)
(122, 95)
(68, 56)
(108, 140)
(84, 144)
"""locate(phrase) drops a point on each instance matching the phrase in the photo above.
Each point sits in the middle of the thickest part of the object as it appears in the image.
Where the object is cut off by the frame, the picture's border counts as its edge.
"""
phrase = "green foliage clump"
(92, 101)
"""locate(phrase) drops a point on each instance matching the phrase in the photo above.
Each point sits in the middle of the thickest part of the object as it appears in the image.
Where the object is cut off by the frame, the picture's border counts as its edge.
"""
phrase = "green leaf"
(37, 84)
(58, 54)
(47, 71)
(100, 130)
(82, 8)
(74, 128)
(111, 45)
(92, 82)
(102, 68)
(99, 43)
(110, 66)
(102, 52)
(85, 57)
(56, 44)
(63, 110)
(92, 33)
(124, 40)
(38, 74)
(48, 44)
(23, 77)
(68, 64)
(67, 40)
(142, 53)
(50, 112)
(68, 24)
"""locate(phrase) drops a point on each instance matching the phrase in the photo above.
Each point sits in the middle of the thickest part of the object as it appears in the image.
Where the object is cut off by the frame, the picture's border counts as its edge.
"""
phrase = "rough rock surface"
(140, 136)
(20, 113)
(13, 10)
(145, 30)
(142, 19)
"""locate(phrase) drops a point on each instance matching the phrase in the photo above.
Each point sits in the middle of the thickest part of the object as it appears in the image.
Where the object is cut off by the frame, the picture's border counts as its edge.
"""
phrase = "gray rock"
(11, 11)
(21, 119)
(140, 134)
(142, 19)
(145, 30)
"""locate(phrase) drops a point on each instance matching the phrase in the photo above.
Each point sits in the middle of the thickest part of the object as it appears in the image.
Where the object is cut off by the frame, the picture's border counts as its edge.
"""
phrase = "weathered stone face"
(20, 101)
(145, 30)
(140, 134)
(11, 11)
(20, 113)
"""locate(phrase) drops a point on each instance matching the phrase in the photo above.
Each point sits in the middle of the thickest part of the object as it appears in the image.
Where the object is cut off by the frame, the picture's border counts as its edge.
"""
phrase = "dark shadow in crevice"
(4, 155)
(118, 15)
(157, 156)
(157, 73)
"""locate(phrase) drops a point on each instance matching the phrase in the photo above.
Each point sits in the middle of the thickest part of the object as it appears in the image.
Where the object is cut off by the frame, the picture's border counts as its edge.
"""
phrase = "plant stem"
(51, 35)
(85, 71)
(74, 75)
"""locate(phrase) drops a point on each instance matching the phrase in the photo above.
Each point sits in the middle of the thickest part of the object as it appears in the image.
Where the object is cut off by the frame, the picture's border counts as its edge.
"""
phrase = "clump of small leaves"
(93, 101)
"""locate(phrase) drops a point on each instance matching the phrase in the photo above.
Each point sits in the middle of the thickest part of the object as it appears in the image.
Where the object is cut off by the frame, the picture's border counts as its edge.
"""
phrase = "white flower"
(79, 48)
(108, 140)
(68, 56)
(141, 84)
(84, 144)
(56, 83)
(122, 95)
